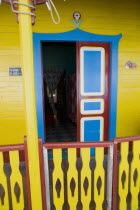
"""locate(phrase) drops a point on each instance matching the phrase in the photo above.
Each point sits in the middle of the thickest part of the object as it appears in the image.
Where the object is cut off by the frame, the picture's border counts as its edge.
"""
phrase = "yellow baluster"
(58, 177)
(72, 174)
(16, 178)
(85, 177)
(99, 176)
(123, 174)
(135, 165)
(3, 182)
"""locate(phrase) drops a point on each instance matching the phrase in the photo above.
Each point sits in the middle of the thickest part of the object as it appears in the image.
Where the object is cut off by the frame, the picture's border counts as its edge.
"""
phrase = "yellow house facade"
(18, 94)
(105, 18)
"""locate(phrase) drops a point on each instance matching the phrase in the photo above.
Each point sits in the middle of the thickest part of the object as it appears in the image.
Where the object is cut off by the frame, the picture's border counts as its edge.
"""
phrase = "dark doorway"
(59, 76)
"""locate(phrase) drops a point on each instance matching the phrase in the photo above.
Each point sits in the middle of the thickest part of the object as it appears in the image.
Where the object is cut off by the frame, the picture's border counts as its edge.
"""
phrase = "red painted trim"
(107, 91)
(42, 175)
(22, 155)
(6, 157)
(77, 145)
(27, 174)
(105, 115)
(78, 89)
(11, 148)
(126, 139)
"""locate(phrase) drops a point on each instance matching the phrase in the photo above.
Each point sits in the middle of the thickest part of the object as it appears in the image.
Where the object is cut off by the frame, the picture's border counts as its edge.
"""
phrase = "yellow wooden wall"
(101, 17)
(12, 122)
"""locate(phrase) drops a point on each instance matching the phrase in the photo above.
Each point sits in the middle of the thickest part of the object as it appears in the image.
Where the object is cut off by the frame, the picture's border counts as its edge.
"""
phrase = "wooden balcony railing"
(14, 178)
(76, 178)
(126, 173)
(74, 175)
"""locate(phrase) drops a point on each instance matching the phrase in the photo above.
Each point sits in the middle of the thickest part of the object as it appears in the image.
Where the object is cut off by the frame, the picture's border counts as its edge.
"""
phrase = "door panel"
(92, 60)
(92, 128)
(92, 106)
(92, 91)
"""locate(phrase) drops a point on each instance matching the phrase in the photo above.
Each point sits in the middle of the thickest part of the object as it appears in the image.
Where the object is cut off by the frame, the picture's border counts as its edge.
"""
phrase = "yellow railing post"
(25, 30)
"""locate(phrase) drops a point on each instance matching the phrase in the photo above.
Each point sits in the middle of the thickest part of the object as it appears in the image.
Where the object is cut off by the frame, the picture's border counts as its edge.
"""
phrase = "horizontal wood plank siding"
(12, 120)
(108, 18)
(100, 17)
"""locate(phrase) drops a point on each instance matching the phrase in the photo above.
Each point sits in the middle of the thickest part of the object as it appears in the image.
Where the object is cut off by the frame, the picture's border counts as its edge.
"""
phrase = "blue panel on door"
(92, 130)
(92, 71)
(89, 106)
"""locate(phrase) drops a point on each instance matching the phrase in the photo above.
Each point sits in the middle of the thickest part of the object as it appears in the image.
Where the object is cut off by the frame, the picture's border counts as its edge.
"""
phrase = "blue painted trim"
(113, 90)
(77, 35)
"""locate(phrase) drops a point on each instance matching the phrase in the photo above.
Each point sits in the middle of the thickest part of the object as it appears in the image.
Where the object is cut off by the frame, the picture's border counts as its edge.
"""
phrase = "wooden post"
(25, 30)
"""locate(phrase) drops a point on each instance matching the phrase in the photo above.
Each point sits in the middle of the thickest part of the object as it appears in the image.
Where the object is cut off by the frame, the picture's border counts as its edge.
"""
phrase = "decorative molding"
(77, 35)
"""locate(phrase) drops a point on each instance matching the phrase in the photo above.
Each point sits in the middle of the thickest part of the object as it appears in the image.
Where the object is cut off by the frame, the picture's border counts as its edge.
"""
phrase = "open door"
(93, 69)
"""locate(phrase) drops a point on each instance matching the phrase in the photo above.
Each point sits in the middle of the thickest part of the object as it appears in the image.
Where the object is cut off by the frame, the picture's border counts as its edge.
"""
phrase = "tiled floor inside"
(61, 132)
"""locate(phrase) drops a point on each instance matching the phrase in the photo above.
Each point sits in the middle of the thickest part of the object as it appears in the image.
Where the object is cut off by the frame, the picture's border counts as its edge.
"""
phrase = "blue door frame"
(81, 36)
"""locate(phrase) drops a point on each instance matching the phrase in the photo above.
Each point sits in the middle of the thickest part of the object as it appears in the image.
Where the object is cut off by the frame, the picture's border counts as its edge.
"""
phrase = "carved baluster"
(58, 179)
(4, 203)
(72, 179)
(135, 175)
(123, 175)
(85, 178)
(99, 180)
(16, 182)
